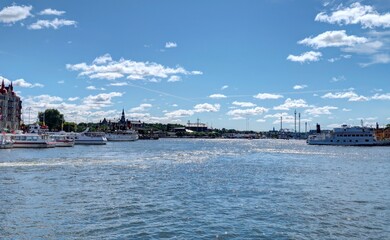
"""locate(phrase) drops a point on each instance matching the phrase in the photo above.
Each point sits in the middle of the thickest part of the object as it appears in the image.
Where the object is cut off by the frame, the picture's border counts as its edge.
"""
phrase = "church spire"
(123, 119)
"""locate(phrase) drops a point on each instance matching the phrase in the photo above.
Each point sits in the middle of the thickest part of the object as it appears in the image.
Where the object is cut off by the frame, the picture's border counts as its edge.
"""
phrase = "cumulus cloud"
(350, 95)
(243, 113)
(224, 87)
(305, 57)
(377, 59)
(333, 39)
(316, 111)
(244, 104)
(174, 78)
(381, 96)
(217, 96)
(170, 45)
(356, 13)
(50, 11)
(263, 96)
(206, 107)
(105, 68)
(55, 24)
(141, 108)
(298, 87)
(21, 83)
(101, 100)
(179, 113)
(119, 84)
(72, 99)
(292, 103)
(94, 88)
(14, 14)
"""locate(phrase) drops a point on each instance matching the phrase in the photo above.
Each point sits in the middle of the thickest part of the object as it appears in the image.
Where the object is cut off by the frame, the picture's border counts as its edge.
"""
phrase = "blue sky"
(232, 64)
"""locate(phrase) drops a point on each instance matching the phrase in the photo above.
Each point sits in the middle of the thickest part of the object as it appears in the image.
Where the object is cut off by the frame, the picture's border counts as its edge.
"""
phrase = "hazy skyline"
(232, 64)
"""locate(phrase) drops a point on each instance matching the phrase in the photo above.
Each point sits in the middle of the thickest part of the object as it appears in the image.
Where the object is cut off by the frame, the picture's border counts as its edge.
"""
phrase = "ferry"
(90, 138)
(122, 136)
(346, 136)
(31, 140)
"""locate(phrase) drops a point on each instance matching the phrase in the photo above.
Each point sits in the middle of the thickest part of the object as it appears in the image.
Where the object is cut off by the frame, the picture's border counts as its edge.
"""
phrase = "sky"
(239, 64)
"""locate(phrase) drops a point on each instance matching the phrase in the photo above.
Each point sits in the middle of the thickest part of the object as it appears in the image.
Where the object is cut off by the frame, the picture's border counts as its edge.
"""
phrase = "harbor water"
(196, 189)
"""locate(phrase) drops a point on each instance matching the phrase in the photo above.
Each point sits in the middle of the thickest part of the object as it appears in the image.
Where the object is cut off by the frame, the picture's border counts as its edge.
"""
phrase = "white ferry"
(31, 140)
(345, 136)
(90, 138)
(122, 136)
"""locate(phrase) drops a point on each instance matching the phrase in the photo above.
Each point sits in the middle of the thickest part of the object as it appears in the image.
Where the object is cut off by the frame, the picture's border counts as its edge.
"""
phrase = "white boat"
(5, 142)
(31, 140)
(345, 136)
(122, 136)
(63, 140)
(90, 138)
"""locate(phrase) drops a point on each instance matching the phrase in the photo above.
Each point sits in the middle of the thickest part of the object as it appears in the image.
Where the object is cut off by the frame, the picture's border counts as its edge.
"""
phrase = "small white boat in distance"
(31, 140)
(5, 142)
(122, 136)
(90, 138)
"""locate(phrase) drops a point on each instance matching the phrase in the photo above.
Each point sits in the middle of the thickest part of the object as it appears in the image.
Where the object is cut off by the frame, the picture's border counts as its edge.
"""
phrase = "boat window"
(357, 141)
(367, 140)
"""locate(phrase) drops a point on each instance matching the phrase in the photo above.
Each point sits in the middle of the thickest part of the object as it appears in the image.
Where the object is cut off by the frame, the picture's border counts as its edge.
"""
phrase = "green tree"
(52, 118)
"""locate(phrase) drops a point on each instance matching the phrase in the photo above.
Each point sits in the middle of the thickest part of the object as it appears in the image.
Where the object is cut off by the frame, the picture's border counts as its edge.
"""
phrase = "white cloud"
(346, 110)
(356, 14)
(206, 107)
(333, 39)
(141, 108)
(316, 111)
(305, 57)
(61, 82)
(24, 84)
(217, 96)
(377, 59)
(94, 88)
(243, 113)
(350, 95)
(179, 113)
(102, 59)
(244, 104)
(50, 11)
(100, 100)
(170, 45)
(365, 48)
(298, 87)
(15, 13)
(174, 78)
(260, 120)
(72, 99)
(268, 96)
(338, 79)
(55, 24)
(292, 103)
(224, 87)
(110, 70)
(119, 84)
(381, 96)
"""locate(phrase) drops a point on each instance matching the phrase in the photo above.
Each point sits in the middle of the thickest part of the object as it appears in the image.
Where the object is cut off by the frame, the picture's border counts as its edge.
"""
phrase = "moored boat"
(6, 142)
(90, 138)
(31, 140)
(122, 136)
(63, 140)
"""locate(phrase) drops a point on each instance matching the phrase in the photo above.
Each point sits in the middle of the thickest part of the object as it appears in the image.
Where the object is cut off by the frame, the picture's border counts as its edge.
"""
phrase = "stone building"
(10, 108)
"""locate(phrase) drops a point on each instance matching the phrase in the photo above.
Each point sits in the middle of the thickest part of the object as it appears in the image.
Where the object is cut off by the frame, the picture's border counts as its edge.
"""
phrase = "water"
(196, 189)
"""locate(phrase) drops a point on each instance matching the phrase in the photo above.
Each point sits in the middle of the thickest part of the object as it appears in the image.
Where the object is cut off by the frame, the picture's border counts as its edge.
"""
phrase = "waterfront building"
(197, 127)
(10, 108)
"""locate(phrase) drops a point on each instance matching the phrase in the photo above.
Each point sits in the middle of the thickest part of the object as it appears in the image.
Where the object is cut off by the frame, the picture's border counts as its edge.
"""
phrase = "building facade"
(10, 108)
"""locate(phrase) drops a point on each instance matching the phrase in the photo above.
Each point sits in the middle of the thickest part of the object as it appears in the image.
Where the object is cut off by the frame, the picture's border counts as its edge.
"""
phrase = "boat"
(6, 142)
(122, 136)
(31, 140)
(63, 140)
(346, 136)
(90, 138)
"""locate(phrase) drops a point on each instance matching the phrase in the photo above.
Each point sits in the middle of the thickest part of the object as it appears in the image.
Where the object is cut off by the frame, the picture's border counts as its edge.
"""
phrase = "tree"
(52, 118)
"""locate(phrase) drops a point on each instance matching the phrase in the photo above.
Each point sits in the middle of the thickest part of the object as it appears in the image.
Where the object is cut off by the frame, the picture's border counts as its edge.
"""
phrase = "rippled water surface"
(191, 189)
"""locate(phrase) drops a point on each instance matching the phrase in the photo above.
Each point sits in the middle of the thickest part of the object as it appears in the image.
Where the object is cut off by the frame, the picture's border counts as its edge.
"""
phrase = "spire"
(123, 119)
